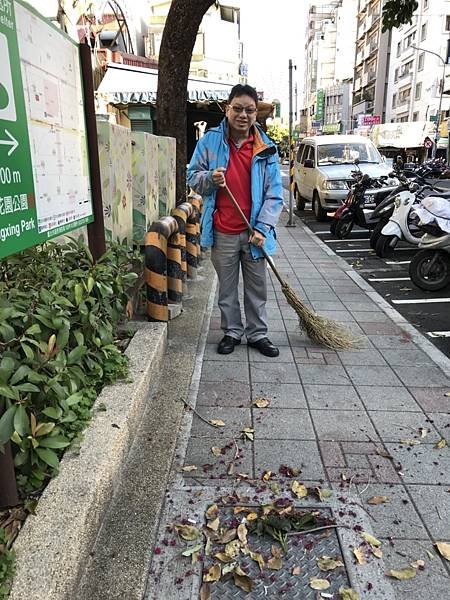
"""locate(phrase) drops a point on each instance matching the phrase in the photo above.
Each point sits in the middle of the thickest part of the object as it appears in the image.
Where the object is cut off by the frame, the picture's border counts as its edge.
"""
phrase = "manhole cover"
(299, 565)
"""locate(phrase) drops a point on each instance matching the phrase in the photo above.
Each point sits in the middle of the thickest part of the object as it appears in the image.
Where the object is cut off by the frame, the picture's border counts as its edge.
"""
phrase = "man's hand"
(218, 177)
(257, 239)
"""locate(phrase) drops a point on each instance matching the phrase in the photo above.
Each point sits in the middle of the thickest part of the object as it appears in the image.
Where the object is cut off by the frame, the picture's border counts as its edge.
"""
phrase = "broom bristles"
(319, 329)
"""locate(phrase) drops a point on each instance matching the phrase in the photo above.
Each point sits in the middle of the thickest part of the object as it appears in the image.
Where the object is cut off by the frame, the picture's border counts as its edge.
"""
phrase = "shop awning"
(125, 84)
(402, 135)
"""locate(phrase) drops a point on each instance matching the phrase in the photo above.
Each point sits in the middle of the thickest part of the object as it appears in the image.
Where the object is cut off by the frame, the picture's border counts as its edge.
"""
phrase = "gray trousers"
(228, 254)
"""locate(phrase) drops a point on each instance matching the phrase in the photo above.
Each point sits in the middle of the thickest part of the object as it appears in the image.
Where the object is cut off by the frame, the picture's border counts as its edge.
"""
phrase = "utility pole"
(291, 223)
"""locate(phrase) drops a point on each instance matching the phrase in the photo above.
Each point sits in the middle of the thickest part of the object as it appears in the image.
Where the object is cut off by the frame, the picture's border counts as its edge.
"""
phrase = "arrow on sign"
(11, 142)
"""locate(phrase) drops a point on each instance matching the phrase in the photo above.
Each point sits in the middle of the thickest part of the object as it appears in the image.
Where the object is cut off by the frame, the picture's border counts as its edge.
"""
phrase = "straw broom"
(319, 329)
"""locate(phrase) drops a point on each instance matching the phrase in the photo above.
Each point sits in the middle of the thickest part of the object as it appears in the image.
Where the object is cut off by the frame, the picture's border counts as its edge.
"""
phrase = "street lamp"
(438, 116)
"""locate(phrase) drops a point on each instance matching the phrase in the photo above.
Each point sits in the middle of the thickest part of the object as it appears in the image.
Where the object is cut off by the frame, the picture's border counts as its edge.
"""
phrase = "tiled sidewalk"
(364, 422)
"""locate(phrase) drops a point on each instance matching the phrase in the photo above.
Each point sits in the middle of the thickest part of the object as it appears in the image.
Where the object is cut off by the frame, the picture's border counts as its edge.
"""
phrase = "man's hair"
(243, 90)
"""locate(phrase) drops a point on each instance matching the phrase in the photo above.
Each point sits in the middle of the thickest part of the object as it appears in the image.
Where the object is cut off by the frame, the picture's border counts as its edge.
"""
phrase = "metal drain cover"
(302, 551)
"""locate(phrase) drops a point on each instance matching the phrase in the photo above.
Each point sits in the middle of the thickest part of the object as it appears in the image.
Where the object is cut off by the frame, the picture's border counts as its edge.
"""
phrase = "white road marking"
(422, 301)
(438, 334)
(390, 279)
(337, 241)
(397, 262)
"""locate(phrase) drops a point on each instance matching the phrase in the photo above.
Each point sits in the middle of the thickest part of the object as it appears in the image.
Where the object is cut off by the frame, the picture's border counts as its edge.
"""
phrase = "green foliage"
(6, 565)
(59, 314)
(398, 12)
(278, 133)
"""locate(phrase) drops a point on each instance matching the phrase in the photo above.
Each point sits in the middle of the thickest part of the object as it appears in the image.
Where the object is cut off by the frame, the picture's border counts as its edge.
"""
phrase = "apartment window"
(423, 32)
(415, 116)
(404, 96)
(399, 48)
(425, 4)
(418, 92)
(421, 62)
(447, 23)
(394, 100)
(409, 40)
(396, 75)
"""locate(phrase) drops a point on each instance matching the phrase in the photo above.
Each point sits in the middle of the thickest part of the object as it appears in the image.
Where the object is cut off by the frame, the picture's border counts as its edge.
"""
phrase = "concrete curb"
(54, 545)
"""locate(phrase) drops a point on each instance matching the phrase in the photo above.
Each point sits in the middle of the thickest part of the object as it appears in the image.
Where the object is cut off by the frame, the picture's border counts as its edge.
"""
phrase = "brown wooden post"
(96, 230)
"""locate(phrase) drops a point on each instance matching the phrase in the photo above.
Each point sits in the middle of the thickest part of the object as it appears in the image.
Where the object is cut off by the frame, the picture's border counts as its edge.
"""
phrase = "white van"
(323, 169)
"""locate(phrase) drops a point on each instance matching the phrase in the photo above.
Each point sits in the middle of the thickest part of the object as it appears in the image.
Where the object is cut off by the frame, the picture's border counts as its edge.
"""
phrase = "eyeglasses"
(249, 110)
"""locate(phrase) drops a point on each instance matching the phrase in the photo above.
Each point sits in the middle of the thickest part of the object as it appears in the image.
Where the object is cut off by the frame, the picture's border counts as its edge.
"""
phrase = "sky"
(273, 31)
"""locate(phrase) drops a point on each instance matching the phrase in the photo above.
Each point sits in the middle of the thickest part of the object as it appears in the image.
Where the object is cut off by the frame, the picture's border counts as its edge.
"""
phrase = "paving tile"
(406, 357)
(273, 372)
(414, 376)
(235, 419)
(212, 394)
(332, 455)
(422, 464)
(441, 422)
(281, 395)
(357, 460)
(282, 424)
(279, 338)
(271, 454)
(341, 316)
(332, 396)
(391, 341)
(381, 329)
(396, 518)
(363, 316)
(320, 305)
(384, 469)
(361, 305)
(209, 466)
(284, 356)
(394, 426)
(430, 584)
(336, 425)
(432, 399)
(239, 355)
(355, 475)
(324, 374)
(368, 356)
(275, 324)
(224, 372)
(387, 398)
(372, 375)
(433, 504)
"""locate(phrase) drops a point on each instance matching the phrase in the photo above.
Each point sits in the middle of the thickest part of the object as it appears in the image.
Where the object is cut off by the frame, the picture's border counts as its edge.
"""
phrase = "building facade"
(338, 117)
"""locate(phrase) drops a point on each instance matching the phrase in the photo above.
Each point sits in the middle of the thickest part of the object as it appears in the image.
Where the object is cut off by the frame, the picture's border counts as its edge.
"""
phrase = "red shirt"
(238, 178)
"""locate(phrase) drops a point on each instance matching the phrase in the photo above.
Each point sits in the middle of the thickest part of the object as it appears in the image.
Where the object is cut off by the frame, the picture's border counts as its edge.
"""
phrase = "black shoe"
(227, 344)
(265, 346)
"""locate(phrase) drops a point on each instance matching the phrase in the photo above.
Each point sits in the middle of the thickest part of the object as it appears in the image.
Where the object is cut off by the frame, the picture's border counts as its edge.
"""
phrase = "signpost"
(428, 143)
(44, 170)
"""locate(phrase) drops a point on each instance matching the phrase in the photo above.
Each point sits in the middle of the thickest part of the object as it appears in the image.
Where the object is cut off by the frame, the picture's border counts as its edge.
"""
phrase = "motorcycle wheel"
(333, 225)
(375, 233)
(343, 229)
(385, 245)
(430, 270)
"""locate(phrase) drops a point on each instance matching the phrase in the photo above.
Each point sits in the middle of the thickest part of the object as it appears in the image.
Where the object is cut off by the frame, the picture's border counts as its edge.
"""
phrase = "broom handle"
(251, 231)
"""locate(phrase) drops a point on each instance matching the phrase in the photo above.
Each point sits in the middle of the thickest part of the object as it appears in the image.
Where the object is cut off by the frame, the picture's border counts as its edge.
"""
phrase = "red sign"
(369, 120)
(428, 143)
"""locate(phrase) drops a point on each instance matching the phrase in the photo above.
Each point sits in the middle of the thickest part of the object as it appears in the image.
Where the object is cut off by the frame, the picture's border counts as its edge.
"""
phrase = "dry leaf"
(384, 453)
(441, 444)
(249, 433)
(212, 512)
(348, 594)
(323, 494)
(409, 442)
(188, 532)
(275, 563)
(208, 546)
(260, 402)
(299, 489)
(326, 563)
(430, 554)
(447, 394)
(444, 549)
(360, 555)
(377, 552)
(216, 451)
(242, 476)
(423, 432)
(318, 584)
(192, 550)
(402, 574)
(217, 422)
(378, 500)
(251, 516)
(214, 573)
(230, 469)
(227, 536)
(276, 551)
(296, 571)
(275, 487)
(258, 558)
(239, 509)
(418, 564)
(243, 581)
(214, 524)
(228, 568)
(370, 539)
(189, 468)
(223, 557)
(232, 548)
(242, 533)
(205, 592)
(266, 475)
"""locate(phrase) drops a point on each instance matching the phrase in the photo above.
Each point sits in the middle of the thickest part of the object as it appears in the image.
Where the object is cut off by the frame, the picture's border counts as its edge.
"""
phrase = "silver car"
(323, 169)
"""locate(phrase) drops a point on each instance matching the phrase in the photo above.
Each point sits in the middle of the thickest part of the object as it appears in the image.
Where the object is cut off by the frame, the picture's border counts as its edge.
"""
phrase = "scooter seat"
(441, 193)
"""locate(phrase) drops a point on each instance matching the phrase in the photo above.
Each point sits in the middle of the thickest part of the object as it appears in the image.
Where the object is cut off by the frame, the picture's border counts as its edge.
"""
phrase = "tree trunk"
(180, 32)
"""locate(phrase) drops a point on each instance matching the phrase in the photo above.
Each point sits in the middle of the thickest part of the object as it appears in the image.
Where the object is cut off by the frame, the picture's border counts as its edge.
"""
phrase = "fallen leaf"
(258, 558)
(409, 442)
(378, 500)
(275, 563)
(447, 394)
(251, 516)
(242, 533)
(189, 468)
(360, 555)
(216, 451)
(430, 554)
(249, 433)
(232, 548)
(326, 563)
(228, 536)
(217, 422)
(214, 573)
(188, 532)
(296, 571)
(370, 539)
(212, 512)
(228, 568)
(260, 402)
(223, 557)
(318, 584)
(276, 551)
(417, 564)
(384, 453)
(208, 546)
(323, 494)
(239, 509)
(242, 476)
(444, 549)
(230, 469)
(192, 549)
(299, 489)
(377, 552)
(441, 444)
(205, 592)
(266, 475)
(348, 594)
(275, 487)
(214, 524)
(402, 574)
(423, 432)
(243, 581)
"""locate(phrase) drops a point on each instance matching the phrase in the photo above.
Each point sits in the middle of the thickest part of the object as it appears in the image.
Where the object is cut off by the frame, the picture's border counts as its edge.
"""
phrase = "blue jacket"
(212, 151)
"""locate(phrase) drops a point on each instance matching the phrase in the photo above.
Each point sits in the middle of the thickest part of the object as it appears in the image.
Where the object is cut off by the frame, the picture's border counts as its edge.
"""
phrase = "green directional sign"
(18, 222)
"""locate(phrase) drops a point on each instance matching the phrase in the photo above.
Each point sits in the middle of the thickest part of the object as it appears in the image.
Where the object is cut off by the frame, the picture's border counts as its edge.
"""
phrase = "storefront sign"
(369, 120)
(331, 128)
(320, 105)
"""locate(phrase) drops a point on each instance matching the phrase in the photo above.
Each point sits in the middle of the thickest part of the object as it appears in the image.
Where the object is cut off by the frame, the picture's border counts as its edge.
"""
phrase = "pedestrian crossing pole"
(290, 222)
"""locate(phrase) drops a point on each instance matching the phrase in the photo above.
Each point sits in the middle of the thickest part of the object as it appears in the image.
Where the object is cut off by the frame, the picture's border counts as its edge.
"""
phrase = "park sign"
(44, 171)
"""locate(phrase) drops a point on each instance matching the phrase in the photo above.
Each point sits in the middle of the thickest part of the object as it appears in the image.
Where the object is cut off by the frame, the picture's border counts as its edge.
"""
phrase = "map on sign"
(44, 170)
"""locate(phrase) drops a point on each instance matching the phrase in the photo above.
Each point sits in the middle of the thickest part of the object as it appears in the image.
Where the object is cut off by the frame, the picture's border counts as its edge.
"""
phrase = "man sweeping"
(239, 153)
